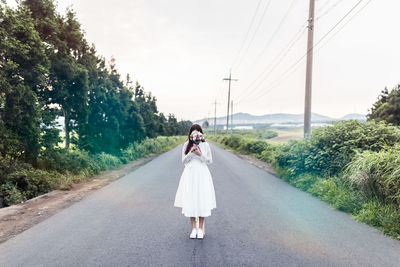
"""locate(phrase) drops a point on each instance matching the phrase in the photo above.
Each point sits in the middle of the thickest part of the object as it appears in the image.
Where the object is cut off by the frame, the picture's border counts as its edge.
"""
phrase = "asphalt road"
(259, 221)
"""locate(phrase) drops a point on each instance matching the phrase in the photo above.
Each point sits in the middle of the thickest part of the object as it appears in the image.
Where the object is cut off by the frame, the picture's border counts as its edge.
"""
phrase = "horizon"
(284, 113)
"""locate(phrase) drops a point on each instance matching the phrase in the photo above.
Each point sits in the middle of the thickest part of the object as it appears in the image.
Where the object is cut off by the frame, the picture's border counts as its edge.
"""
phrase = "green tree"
(23, 70)
(148, 110)
(387, 107)
(67, 88)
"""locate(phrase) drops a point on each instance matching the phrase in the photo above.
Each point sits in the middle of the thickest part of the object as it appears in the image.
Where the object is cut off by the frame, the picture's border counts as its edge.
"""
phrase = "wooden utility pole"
(215, 117)
(310, 45)
(231, 118)
(229, 99)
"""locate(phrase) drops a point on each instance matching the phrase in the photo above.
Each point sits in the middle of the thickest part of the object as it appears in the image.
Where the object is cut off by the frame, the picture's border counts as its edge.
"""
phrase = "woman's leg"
(193, 221)
(201, 222)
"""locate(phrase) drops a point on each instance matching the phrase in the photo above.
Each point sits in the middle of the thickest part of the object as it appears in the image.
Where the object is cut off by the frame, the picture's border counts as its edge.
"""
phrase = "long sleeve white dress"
(195, 194)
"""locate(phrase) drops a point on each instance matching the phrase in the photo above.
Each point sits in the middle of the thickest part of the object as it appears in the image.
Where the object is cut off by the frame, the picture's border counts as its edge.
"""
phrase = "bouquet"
(196, 137)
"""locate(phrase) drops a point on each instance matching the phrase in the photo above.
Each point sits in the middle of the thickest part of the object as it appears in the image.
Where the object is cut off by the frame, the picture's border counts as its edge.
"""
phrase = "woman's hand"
(196, 150)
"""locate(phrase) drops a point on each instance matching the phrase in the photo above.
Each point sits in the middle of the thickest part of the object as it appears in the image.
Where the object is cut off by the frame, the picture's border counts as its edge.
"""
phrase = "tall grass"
(377, 174)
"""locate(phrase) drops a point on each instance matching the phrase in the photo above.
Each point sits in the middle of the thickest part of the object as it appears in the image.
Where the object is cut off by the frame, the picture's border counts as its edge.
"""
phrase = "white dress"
(195, 194)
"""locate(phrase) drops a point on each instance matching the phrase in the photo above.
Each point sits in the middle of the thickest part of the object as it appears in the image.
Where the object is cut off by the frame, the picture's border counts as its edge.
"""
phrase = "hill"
(246, 118)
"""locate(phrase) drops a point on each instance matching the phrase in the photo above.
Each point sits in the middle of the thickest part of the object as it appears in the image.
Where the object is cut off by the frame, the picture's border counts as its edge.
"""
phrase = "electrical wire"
(321, 8)
(295, 65)
(344, 25)
(329, 10)
(247, 33)
(255, 33)
(275, 33)
(277, 60)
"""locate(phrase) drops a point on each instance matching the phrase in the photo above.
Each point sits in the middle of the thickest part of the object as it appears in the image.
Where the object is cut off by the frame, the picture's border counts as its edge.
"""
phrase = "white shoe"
(200, 234)
(193, 233)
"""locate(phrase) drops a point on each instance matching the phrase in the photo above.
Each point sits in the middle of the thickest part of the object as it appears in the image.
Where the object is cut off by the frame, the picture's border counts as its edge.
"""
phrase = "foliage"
(387, 107)
(334, 191)
(59, 169)
(353, 166)
(331, 148)
(256, 133)
(377, 174)
(23, 67)
(385, 217)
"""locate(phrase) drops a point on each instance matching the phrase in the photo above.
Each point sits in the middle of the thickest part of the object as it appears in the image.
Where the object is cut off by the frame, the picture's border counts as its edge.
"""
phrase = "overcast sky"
(181, 49)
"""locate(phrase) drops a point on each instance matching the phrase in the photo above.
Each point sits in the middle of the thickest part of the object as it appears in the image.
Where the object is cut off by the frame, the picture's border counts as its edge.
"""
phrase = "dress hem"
(198, 215)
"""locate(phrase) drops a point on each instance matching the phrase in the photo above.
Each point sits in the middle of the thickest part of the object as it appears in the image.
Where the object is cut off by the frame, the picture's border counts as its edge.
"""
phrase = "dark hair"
(195, 127)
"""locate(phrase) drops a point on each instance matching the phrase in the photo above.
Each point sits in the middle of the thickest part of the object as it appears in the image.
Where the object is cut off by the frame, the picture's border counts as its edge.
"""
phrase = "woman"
(195, 194)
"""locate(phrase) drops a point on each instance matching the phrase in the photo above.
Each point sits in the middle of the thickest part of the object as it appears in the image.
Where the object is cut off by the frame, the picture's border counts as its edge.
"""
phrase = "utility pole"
(231, 118)
(215, 117)
(310, 45)
(229, 99)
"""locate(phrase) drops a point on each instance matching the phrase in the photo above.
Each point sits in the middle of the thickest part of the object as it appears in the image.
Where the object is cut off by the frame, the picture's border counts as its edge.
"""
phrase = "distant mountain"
(354, 116)
(246, 118)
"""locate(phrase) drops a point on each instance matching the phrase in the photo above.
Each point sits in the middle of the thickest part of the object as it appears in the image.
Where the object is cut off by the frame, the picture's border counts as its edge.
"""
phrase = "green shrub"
(334, 192)
(150, 145)
(385, 217)
(9, 195)
(246, 145)
(377, 174)
(72, 161)
(331, 148)
(252, 146)
(106, 161)
(58, 169)
(353, 166)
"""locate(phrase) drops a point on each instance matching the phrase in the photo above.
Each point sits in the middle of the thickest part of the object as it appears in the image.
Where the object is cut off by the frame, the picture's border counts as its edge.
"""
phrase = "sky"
(180, 50)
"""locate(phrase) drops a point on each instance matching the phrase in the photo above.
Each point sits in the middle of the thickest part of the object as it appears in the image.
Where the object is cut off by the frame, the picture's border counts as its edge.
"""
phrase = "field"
(271, 135)
(286, 134)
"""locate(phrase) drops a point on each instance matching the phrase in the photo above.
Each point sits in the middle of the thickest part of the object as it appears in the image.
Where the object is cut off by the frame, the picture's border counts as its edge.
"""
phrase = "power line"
(255, 32)
(275, 33)
(329, 10)
(278, 82)
(323, 6)
(344, 25)
(248, 31)
(278, 59)
(294, 66)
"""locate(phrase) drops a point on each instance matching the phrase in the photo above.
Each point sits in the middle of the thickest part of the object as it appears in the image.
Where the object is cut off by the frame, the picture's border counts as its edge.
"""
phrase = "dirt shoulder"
(18, 218)
(256, 162)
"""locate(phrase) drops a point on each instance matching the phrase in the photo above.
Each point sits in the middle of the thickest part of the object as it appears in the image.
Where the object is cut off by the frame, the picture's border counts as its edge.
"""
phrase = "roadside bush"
(353, 166)
(377, 174)
(331, 148)
(106, 161)
(72, 161)
(9, 195)
(244, 145)
(333, 191)
(252, 146)
(150, 145)
(385, 217)
(58, 169)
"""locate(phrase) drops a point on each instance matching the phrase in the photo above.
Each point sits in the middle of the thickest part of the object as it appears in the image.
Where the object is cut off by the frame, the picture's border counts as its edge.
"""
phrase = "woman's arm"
(186, 157)
(206, 154)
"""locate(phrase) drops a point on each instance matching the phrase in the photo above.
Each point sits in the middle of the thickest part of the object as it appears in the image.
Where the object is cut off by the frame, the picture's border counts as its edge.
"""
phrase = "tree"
(387, 107)
(23, 70)
(67, 87)
(148, 110)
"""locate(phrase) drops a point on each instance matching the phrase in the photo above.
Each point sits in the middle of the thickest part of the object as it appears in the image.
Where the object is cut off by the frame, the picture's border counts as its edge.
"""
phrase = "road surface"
(259, 221)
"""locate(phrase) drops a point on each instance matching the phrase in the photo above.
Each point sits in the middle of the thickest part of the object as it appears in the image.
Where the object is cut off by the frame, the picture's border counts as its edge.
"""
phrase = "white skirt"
(195, 194)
